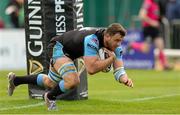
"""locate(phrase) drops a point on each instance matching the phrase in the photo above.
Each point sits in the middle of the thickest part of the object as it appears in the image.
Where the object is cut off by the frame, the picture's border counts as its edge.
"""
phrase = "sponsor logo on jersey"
(94, 40)
(92, 46)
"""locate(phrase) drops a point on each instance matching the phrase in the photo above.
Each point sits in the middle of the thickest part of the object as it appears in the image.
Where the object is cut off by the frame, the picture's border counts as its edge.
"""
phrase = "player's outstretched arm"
(120, 74)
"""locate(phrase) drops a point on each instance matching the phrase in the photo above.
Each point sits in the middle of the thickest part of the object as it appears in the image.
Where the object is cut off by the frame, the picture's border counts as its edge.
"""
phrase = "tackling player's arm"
(119, 71)
(92, 62)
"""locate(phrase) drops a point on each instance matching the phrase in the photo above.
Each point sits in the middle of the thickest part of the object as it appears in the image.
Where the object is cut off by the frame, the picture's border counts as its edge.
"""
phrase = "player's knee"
(73, 82)
(48, 83)
(44, 81)
(76, 81)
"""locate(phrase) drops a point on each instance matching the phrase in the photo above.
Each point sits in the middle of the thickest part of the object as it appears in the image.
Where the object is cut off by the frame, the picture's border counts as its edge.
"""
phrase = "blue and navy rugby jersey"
(83, 42)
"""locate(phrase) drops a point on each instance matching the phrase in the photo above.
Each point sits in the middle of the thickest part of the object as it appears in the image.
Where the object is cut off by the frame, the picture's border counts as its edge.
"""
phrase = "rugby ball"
(103, 55)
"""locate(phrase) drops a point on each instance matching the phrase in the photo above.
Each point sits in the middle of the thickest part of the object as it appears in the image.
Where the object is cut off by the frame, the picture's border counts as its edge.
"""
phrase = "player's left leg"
(36, 79)
(11, 76)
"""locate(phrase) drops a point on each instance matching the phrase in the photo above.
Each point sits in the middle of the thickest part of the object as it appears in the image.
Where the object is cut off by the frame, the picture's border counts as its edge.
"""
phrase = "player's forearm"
(100, 65)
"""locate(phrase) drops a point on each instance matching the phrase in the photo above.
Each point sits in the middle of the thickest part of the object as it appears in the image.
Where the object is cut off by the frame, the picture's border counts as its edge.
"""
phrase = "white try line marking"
(140, 99)
(151, 98)
(130, 100)
(22, 107)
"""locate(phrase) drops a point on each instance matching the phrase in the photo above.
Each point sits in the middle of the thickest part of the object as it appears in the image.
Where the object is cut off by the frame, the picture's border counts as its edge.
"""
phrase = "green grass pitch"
(153, 93)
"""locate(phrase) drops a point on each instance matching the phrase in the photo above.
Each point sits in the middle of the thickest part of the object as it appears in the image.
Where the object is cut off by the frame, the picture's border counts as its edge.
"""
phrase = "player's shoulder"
(92, 38)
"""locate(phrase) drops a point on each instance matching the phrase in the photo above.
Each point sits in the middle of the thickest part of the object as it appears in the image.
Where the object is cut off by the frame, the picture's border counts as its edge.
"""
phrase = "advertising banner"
(45, 19)
(12, 49)
(133, 58)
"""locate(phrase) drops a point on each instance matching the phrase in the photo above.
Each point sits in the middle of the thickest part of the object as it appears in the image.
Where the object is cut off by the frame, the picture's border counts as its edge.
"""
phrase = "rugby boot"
(51, 104)
(11, 85)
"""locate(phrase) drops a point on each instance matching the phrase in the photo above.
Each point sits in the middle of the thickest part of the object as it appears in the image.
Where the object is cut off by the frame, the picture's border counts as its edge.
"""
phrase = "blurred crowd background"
(101, 13)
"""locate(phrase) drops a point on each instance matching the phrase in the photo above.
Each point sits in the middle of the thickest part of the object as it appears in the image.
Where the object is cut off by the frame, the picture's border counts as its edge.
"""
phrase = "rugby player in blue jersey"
(81, 43)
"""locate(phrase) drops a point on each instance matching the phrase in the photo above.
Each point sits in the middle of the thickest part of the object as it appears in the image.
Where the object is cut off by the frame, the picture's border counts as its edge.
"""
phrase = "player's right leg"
(63, 72)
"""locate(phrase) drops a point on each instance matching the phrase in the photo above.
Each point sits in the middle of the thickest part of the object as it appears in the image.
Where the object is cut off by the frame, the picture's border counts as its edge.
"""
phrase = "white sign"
(12, 49)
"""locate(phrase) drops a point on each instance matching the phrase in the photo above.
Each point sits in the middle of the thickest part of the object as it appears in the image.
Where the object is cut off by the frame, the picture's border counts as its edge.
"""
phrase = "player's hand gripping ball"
(103, 54)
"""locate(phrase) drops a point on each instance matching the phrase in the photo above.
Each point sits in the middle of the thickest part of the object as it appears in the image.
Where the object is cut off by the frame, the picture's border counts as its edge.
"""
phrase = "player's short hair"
(115, 28)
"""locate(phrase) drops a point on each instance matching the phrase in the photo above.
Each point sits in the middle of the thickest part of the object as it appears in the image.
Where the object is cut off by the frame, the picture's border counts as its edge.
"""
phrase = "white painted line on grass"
(130, 100)
(22, 107)
(151, 98)
(140, 99)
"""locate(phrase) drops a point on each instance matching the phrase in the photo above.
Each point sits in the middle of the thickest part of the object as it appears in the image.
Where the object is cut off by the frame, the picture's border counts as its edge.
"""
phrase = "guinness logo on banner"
(35, 67)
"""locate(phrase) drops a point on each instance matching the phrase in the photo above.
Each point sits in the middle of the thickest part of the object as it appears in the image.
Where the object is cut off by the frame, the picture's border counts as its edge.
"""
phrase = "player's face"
(114, 41)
